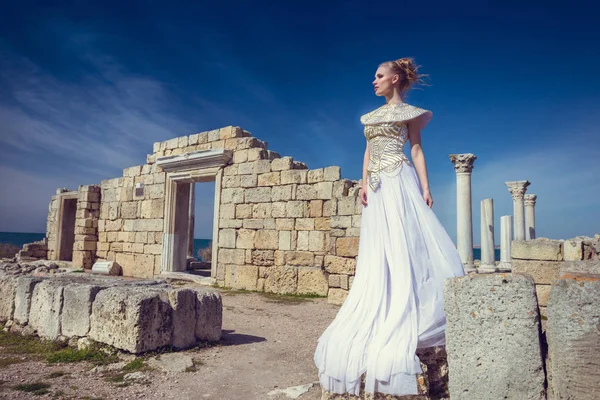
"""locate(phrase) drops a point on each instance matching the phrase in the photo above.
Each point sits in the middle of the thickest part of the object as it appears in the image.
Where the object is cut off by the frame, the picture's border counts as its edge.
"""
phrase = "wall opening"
(67, 229)
(202, 205)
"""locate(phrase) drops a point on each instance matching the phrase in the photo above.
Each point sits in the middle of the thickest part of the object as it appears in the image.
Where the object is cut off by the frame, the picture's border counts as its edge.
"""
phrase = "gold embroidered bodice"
(386, 131)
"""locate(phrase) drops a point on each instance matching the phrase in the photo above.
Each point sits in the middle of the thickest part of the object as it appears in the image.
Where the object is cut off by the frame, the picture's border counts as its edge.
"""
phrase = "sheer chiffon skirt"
(395, 304)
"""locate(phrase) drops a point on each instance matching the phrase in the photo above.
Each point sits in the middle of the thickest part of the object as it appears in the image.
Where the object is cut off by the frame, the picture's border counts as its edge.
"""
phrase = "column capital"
(517, 188)
(530, 199)
(463, 163)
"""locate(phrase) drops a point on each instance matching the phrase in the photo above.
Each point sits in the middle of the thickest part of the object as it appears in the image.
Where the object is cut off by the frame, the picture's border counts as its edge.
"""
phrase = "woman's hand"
(363, 195)
(428, 199)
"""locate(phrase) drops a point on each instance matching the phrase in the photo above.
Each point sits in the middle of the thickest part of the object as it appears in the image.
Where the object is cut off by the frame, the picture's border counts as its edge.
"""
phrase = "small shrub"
(36, 388)
(134, 365)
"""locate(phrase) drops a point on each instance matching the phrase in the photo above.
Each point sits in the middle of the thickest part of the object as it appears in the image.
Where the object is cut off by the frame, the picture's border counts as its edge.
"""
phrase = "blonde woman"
(395, 304)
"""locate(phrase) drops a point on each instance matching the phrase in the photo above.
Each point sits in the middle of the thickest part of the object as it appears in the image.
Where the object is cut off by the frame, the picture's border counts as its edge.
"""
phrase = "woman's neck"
(395, 98)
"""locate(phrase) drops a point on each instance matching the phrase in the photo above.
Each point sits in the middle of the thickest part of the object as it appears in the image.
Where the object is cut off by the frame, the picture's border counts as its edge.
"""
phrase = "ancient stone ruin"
(278, 226)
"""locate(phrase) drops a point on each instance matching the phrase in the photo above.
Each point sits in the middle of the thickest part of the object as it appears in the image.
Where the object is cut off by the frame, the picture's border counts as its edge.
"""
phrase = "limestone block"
(183, 302)
(324, 190)
(231, 256)
(284, 224)
(143, 265)
(266, 239)
(542, 272)
(322, 224)
(339, 265)
(278, 210)
(347, 246)
(332, 173)
(344, 282)
(306, 192)
(282, 164)
(22, 298)
(77, 308)
(315, 208)
(341, 222)
(257, 154)
(574, 339)
(153, 208)
(285, 240)
(282, 280)
(46, 307)
(296, 209)
(263, 257)
(305, 224)
(258, 195)
(235, 196)
(537, 249)
(337, 296)
(316, 241)
(353, 232)
(299, 258)
(302, 240)
(356, 221)
(156, 191)
(282, 193)
(506, 364)
(240, 156)
(82, 259)
(261, 210)
(231, 223)
(132, 171)
(246, 277)
(252, 223)
(209, 315)
(573, 250)
(243, 211)
(245, 239)
(294, 176)
(248, 181)
(346, 205)
(133, 319)
(334, 280)
(82, 246)
(262, 166)
(230, 181)
(269, 179)
(152, 249)
(312, 281)
(8, 287)
(227, 211)
(315, 175)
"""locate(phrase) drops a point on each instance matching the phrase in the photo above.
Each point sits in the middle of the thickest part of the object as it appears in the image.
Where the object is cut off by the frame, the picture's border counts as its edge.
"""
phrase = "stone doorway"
(67, 213)
(183, 172)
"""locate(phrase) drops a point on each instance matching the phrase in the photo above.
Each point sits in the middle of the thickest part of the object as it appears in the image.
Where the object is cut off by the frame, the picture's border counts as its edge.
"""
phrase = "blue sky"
(87, 88)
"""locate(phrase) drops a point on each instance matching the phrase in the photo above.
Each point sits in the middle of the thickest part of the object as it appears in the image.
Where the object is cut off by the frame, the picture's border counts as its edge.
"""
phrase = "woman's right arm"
(364, 188)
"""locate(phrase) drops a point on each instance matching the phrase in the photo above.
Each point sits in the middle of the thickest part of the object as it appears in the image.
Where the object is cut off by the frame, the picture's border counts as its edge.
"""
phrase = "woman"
(395, 304)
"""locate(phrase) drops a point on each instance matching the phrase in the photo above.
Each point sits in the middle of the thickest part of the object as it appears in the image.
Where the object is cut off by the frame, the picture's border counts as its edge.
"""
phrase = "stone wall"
(546, 260)
(282, 227)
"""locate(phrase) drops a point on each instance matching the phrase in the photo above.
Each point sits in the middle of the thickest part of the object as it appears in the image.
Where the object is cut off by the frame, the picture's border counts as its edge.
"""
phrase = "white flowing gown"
(395, 304)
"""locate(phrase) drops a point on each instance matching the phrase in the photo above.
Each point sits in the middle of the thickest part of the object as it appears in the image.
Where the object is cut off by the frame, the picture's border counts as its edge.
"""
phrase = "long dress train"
(395, 304)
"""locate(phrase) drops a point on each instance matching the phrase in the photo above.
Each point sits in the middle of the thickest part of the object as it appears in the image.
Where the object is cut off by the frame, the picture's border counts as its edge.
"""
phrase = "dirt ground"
(268, 343)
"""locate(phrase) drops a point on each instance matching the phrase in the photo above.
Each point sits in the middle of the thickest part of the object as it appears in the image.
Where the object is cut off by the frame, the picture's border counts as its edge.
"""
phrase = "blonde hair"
(408, 71)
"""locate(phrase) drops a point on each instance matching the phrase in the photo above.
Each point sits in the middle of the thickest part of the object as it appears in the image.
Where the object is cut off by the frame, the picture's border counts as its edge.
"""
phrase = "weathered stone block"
(269, 179)
(543, 293)
(347, 246)
(278, 210)
(263, 257)
(296, 209)
(243, 211)
(339, 265)
(153, 208)
(230, 181)
(316, 241)
(246, 277)
(252, 223)
(209, 315)
(46, 307)
(573, 250)
(537, 249)
(282, 280)
(282, 164)
(337, 296)
(306, 192)
(183, 302)
(77, 308)
(293, 176)
(341, 222)
(506, 364)
(574, 339)
(23, 294)
(240, 156)
(266, 239)
(300, 258)
(231, 256)
(285, 240)
(248, 181)
(132, 319)
(332, 173)
(282, 193)
(227, 238)
(245, 239)
(8, 287)
(346, 205)
(542, 272)
(261, 210)
(324, 190)
(312, 281)
(302, 242)
(258, 195)
(305, 224)
(234, 196)
(231, 223)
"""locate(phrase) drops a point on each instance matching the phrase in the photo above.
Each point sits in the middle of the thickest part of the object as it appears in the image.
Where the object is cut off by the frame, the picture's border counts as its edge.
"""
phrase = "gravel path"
(268, 343)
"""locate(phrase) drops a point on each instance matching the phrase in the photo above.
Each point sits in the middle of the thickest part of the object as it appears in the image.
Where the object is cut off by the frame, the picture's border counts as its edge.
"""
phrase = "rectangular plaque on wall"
(139, 189)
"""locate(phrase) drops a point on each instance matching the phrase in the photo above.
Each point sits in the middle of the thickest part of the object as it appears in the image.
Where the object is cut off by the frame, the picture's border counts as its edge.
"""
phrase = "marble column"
(530, 200)
(488, 244)
(505, 243)
(191, 219)
(463, 165)
(517, 189)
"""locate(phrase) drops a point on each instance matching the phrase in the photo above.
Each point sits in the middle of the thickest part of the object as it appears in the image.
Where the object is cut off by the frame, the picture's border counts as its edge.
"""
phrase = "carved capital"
(530, 200)
(463, 163)
(517, 189)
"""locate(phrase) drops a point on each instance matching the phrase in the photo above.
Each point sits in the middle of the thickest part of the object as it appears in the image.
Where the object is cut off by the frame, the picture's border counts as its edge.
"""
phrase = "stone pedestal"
(505, 243)
(530, 216)
(463, 165)
(517, 189)
(488, 256)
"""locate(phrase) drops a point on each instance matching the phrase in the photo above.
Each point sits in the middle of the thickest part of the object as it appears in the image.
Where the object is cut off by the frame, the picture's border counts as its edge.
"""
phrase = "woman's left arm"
(418, 158)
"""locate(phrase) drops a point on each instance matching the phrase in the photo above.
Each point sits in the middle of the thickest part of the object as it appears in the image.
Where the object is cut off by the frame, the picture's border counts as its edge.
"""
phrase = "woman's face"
(384, 81)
